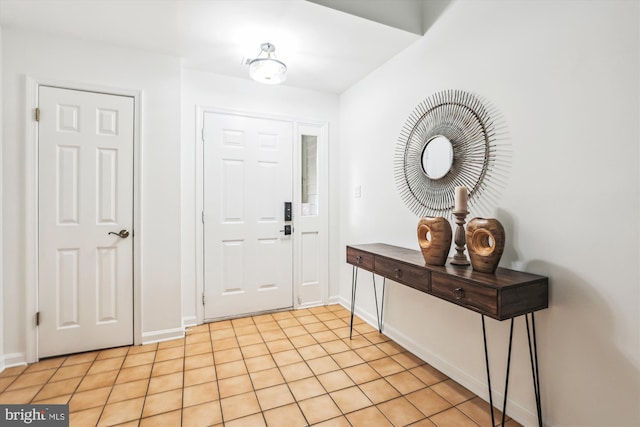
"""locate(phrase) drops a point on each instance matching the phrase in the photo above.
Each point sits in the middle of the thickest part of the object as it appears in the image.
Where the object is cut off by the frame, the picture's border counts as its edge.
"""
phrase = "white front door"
(85, 198)
(248, 260)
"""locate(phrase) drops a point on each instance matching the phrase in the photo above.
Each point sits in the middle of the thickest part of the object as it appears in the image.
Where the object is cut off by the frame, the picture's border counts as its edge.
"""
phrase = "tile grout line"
(262, 411)
(315, 376)
(109, 395)
(106, 402)
(247, 369)
(45, 383)
(82, 379)
(184, 372)
(297, 402)
(330, 355)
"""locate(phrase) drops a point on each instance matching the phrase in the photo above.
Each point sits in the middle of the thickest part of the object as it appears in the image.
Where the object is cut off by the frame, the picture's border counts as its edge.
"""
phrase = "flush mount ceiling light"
(267, 69)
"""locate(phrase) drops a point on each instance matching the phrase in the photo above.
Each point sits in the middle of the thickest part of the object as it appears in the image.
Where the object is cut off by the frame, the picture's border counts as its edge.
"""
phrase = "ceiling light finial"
(267, 69)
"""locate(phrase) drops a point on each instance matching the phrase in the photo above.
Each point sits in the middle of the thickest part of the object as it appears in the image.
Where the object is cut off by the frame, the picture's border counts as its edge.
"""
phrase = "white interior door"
(85, 197)
(248, 261)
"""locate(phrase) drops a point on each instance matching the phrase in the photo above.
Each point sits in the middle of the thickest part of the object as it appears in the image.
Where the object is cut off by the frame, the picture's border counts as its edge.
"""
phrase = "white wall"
(565, 75)
(2, 362)
(75, 61)
(210, 90)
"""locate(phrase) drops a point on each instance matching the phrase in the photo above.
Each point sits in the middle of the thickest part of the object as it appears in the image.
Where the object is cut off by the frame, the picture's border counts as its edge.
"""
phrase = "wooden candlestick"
(460, 239)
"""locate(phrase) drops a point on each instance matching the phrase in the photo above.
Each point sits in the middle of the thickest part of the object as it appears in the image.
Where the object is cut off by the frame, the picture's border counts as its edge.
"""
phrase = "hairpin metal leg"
(375, 294)
(486, 359)
(506, 383)
(533, 356)
(354, 282)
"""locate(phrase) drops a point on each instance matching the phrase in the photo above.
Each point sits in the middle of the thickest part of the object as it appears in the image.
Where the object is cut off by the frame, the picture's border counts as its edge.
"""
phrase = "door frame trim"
(199, 195)
(31, 206)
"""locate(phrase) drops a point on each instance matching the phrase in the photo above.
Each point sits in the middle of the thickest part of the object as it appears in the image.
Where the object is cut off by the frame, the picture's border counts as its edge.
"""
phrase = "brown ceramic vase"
(434, 238)
(485, 243)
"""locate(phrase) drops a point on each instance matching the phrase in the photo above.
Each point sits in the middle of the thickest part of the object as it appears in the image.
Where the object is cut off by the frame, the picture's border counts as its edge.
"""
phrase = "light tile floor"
(286, 369)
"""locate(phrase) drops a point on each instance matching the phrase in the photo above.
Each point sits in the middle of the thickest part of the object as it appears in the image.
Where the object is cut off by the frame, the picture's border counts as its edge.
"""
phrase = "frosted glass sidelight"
(309, 175)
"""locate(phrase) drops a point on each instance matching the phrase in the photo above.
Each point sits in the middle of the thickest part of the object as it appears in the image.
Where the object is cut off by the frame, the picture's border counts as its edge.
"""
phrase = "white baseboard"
(478, 386)
(309, 305)
(189, 321)
(13, 359)
(163, 335)
(335, 300)
(343, 302)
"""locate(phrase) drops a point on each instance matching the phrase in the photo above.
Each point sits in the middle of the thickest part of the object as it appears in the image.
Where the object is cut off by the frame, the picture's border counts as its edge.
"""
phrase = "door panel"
(67, 305)
(248, 172)
(85, 191)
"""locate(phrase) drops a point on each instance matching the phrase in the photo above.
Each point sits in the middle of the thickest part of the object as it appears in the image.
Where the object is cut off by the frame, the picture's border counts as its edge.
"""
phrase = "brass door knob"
(122, 234)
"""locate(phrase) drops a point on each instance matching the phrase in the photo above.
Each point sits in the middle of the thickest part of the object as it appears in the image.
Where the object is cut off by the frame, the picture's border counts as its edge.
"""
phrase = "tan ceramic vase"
(434, 238)
(485, 243)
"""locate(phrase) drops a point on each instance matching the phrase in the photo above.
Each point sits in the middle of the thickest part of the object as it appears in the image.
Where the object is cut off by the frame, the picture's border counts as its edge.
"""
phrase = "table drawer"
(360, 259)
(410, 275)
(475, 297)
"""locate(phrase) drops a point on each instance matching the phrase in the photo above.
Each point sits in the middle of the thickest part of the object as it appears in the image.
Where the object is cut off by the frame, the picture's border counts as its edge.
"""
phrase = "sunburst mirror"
(450, 139)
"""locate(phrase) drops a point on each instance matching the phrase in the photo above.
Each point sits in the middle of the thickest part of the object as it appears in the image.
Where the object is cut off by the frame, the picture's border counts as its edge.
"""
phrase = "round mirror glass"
(437, 157)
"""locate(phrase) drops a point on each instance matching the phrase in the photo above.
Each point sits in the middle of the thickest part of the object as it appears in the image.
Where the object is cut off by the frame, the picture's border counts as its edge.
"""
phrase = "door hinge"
(203, 299)
(38, 319)
(203, 217)
(37, 114)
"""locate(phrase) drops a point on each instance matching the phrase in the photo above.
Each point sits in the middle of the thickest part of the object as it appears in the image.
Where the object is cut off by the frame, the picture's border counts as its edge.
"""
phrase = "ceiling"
(325, 49)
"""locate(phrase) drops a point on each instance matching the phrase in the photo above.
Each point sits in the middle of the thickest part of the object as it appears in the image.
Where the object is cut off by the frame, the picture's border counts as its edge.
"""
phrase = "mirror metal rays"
(450, 139)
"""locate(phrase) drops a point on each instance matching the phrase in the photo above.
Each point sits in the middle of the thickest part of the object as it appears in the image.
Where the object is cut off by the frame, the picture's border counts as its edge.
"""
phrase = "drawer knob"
(358, 259)
(458, 293)
(398, 273)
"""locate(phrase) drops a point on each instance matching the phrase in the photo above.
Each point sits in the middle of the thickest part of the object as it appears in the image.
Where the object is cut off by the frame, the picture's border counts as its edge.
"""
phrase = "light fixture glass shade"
(267, 70)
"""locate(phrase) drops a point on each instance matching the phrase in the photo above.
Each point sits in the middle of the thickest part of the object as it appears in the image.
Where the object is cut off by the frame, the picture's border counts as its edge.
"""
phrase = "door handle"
(287, 230)
(122, 234)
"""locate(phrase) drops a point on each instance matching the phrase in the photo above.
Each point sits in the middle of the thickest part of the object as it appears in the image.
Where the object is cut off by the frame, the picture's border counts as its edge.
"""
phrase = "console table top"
(502, 295)
(502, 277)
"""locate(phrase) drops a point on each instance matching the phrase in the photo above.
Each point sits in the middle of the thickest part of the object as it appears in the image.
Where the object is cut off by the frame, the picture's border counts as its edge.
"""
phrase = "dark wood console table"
(504, 295)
